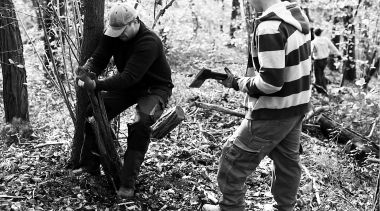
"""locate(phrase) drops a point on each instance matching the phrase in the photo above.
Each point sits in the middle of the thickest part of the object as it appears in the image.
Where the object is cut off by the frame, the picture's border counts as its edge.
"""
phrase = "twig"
(347, 201)
(313, 184)
(49, 143)
(373, 127)
(161, 13)
(373, 160)
(11, 197)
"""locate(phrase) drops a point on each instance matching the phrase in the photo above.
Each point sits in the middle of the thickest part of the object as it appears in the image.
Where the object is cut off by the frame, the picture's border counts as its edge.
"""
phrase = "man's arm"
(101, 57)
(271, 56)
(143, 56)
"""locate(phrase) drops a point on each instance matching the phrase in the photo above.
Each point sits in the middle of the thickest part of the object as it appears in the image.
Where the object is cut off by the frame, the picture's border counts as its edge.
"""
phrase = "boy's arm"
(270, 78)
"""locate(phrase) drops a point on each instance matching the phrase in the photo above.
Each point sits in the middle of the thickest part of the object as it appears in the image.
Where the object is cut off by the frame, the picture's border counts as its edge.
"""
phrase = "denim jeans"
(241, 154)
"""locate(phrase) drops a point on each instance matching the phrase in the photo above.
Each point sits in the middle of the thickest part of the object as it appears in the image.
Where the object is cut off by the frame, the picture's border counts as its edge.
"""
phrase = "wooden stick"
(49, 143)
(373, 127)
(313, 184)
(219, 108)
(12, 197)
(315, 111)
(373, 160)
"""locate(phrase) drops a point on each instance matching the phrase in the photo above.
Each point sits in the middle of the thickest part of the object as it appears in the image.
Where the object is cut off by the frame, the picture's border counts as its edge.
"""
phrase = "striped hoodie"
(281, 55)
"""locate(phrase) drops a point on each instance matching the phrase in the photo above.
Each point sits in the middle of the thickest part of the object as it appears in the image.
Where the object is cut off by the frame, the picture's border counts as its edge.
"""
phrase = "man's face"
(130, 31)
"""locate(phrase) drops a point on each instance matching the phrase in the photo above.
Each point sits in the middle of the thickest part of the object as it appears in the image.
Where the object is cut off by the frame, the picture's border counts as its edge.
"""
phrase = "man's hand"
(229, 80)
(84, 79)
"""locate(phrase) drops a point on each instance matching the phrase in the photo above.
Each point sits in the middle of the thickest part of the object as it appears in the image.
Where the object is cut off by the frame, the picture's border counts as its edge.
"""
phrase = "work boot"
(132, 163)
(210, 207)
(91, 169)
(125, 193)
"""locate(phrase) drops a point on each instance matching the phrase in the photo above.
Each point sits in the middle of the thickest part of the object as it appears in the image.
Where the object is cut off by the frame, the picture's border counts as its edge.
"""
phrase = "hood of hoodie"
(287, 12)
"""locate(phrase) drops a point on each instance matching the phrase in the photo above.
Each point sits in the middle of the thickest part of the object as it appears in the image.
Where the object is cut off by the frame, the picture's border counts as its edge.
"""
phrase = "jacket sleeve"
(271, 57)
(144, 54)
(101, 57)
(332, 47)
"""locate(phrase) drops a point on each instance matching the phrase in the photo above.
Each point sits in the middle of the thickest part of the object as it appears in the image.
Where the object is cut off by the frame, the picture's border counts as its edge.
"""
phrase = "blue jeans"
(255, 139)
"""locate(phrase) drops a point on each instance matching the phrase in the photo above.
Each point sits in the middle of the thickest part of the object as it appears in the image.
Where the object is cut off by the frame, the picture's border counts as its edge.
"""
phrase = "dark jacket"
(141, 64)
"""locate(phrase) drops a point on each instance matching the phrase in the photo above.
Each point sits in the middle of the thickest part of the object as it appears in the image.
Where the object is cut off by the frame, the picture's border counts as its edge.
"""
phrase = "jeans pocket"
(239, 158)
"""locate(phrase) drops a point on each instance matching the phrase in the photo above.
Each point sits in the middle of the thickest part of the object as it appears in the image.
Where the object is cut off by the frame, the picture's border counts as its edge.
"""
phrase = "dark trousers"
(319, 73)
(148, 109)
(371, 71)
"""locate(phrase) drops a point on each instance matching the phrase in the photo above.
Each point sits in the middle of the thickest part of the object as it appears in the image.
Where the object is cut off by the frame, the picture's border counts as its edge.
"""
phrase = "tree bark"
(167, 122)
(92, 32)
(15, 92)
(335, 40)
(349, 65)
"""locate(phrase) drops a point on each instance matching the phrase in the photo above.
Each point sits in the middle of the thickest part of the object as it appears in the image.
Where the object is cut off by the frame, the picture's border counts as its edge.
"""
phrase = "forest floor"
(179, 172)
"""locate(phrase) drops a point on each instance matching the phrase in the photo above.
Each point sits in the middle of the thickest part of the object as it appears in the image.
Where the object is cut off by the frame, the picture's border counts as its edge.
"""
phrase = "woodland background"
(37, 148)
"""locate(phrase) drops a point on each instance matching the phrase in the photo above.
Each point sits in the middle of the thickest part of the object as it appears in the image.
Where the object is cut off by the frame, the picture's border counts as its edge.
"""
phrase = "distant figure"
(321, 48)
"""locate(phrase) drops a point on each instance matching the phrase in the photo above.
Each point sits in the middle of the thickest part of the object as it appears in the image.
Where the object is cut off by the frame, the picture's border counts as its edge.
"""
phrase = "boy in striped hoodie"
(276, 101)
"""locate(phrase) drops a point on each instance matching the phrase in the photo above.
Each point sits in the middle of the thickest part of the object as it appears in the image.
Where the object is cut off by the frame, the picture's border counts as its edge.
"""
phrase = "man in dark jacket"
(144, 78)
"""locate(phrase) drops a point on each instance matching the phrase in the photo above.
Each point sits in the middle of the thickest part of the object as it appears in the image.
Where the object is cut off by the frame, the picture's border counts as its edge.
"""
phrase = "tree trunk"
(349, 67)
(249, 15)
(335, 40)
(15, 91)
(92, 32)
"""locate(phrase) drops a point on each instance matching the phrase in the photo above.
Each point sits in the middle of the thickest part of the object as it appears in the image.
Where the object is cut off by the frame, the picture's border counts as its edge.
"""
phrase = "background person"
(321, 48)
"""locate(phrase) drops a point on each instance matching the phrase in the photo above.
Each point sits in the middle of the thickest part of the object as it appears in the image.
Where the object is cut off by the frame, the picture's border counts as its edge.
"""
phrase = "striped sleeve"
(271, 57)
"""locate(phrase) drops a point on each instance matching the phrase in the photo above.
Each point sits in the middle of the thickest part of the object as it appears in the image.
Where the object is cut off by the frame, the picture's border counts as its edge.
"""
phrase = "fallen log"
(167, 122)
(327, 126)
(361, 144)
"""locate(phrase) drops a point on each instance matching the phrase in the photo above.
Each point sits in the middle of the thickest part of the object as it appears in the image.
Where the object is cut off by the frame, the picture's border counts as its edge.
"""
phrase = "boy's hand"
(229, 80)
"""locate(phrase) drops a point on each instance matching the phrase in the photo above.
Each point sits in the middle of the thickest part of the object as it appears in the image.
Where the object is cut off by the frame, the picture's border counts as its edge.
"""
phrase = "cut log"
(108, 155)
(167, 122)
(364, 146)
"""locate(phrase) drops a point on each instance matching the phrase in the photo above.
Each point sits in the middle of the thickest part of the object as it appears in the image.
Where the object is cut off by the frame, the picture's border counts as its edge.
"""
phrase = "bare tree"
(12, 63)
(92, 32)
